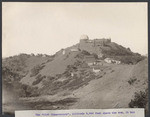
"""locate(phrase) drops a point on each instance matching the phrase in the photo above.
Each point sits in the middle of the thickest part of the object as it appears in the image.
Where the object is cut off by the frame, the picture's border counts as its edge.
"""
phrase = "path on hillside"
(110, 91)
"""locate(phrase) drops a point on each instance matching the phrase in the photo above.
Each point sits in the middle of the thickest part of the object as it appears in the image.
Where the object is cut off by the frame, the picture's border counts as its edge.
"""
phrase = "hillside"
(74, 78)
(111, 90)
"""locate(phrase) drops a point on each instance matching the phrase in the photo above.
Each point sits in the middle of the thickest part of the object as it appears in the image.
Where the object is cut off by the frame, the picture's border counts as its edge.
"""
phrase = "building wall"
(101, 42)
(93, 46)
(86, 45)
(98, 42)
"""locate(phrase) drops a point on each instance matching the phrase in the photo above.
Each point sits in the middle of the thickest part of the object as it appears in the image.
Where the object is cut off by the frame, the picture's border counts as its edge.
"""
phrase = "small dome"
(84, 37)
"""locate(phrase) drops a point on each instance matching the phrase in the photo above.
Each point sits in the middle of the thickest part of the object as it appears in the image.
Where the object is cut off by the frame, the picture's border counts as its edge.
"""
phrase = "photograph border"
(96, 1)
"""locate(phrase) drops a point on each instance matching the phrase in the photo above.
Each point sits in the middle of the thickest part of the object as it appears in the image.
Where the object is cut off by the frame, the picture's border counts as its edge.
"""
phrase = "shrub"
(140, 100)
(50, 78)
(36, 70)
(95, 56)
(22, 90)
(132, 80)
(39, 78)
(85, 52)
(49, 60)
(66, 57)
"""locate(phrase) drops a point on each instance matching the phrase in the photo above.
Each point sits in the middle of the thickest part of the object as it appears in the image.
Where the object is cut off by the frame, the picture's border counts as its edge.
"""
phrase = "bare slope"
(110, 89)
(113, 90)
(59, 64)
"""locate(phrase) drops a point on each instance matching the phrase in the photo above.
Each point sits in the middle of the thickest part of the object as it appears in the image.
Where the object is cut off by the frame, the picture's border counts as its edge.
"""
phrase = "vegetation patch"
(39, 78)
(36, 70)
(132, 80)
(140, 100)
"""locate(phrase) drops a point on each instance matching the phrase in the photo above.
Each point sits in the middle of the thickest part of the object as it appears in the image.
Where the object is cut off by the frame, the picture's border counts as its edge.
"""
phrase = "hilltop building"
(84, 37)
(85, 41)
(109, 60)
(93, 46)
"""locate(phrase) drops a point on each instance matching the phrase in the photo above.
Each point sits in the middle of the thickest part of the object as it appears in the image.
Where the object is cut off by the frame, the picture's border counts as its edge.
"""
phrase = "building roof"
(84, 37)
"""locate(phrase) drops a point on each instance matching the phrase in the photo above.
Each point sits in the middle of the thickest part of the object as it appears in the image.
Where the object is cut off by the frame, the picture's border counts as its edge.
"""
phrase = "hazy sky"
(48, 27)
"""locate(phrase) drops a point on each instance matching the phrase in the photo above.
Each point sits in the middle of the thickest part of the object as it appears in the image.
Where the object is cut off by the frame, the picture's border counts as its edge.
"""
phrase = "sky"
(48, 27)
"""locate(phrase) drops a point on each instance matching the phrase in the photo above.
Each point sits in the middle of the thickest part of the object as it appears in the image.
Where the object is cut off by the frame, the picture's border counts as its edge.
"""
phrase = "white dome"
(84, 37)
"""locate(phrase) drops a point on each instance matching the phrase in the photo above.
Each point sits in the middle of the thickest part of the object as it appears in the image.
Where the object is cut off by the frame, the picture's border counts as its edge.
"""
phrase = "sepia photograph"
(89, 55)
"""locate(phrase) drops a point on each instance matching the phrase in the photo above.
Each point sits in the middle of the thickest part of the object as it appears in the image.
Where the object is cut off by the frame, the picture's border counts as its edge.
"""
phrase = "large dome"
(84, 37)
